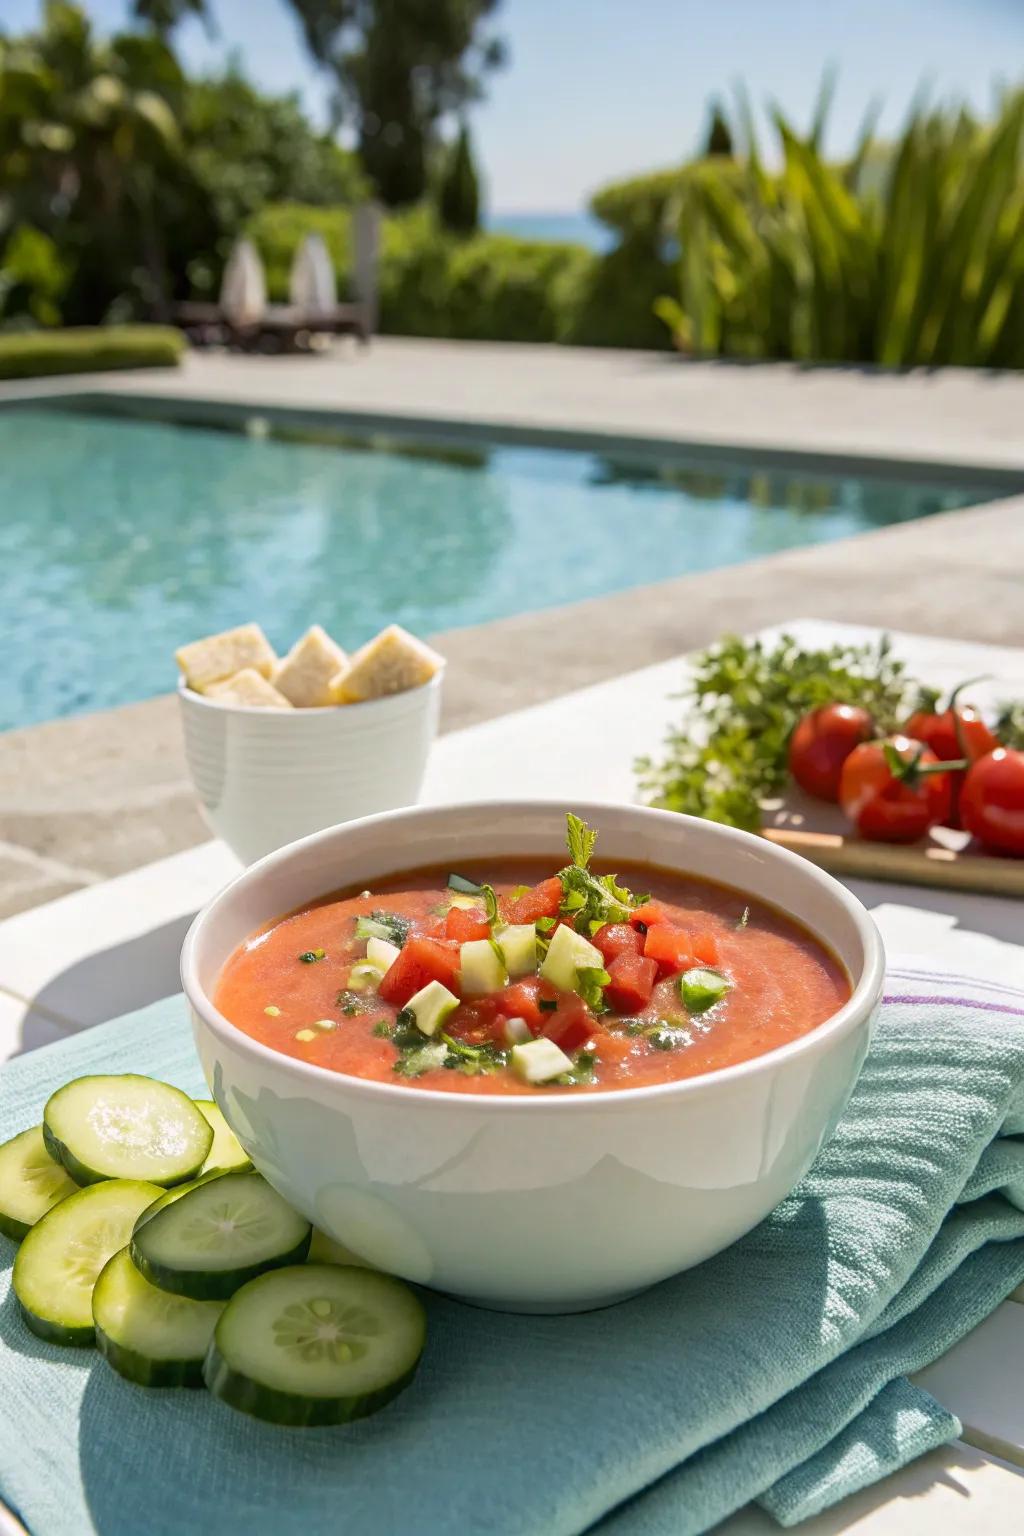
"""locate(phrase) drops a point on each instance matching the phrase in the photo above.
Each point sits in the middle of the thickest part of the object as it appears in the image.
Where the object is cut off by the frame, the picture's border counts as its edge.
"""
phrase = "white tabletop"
(102, 951)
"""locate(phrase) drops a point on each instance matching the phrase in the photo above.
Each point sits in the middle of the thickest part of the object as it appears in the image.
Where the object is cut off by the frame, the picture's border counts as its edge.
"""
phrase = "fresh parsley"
(384, 925)
(582, 1070)
(731, 753)
(310, 956)
(351, 1003)
(424, 1058)
(591, 900)
(591, 981)
(486, 1057)
(744, 918)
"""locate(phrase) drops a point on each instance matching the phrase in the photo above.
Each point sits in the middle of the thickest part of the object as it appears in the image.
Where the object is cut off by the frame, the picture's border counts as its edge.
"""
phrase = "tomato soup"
(509, 979)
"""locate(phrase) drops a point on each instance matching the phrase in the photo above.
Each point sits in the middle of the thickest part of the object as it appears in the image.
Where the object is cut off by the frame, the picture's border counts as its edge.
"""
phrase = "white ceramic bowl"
(266, 777)
(553, 1202)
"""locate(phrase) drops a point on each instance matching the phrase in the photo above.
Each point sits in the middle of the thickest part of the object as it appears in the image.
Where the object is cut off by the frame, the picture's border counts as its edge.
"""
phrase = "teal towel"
(772, 1372)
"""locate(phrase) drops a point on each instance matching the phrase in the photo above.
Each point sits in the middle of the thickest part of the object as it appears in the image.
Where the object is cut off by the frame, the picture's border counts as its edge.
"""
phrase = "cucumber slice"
(147, 1335)
(519, 946)
(316, 1344)
(227, 1155)
(61, 1258)
(568, 953)
(430, 1007)
(125, 1127)
(481, 968)
(210, 1240)
(382, 953)
(31, 1183)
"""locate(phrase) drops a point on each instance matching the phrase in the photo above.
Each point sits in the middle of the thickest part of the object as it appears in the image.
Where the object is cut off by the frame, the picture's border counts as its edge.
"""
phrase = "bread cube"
(248, 687)
(218, 656)
(391, 662)
(307, 673)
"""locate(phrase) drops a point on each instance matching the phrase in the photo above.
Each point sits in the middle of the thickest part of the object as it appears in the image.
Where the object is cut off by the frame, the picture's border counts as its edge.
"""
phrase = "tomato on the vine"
(821, 743)
(957, 731)
(894, 791)
(992, 800)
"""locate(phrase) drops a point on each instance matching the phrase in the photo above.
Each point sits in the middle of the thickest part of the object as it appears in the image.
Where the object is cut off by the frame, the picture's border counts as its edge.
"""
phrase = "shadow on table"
(111, 982)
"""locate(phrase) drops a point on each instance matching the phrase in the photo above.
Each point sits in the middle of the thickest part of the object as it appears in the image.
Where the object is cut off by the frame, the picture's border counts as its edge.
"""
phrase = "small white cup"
(266, 777)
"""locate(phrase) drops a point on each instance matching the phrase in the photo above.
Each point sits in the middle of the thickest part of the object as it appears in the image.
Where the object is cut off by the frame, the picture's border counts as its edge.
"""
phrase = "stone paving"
(87, 798)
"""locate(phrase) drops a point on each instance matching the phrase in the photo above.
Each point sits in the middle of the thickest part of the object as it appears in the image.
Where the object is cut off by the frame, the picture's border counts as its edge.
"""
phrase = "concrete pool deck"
(91, 797)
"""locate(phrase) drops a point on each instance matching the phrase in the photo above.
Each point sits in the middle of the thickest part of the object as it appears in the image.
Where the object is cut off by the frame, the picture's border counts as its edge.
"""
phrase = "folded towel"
(772, 1372)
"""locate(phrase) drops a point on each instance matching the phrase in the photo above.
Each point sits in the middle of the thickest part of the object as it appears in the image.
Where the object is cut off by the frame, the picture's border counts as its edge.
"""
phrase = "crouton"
(391, 662)
(248, 687)
(219, 656)
(306, 674)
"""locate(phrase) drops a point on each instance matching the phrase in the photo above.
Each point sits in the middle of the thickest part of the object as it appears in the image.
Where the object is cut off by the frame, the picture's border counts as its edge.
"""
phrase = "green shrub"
(88, 349)
(913, 260)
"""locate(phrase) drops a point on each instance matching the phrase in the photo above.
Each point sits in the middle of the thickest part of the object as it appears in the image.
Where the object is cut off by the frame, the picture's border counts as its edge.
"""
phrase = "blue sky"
(603, 88)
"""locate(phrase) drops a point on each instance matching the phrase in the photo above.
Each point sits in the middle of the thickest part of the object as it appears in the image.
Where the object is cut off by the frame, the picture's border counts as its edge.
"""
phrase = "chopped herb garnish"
(471, 888)
(547, 1004)
(384, 925)
(486, 1057)
(592, 900)
(309, 956)
(423, 1059)
(583, 1064)
(351, 1002)
(591, 981)
(662, 1041)
(745, 919)
(382, 1029)
(702, 989)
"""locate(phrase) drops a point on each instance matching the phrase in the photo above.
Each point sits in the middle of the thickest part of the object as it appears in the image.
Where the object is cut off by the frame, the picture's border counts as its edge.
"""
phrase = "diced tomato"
(672, 947)
(617, 939)
(420, 961)
(631, 982)
(466, 923)
(571, 1024)
(650, 913)
(704, 947)
(522, 1000)
(542, 900)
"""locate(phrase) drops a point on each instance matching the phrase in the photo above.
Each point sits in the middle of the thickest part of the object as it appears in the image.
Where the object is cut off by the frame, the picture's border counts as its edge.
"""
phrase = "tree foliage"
(459, 193)
(399, 67)
(719, 139)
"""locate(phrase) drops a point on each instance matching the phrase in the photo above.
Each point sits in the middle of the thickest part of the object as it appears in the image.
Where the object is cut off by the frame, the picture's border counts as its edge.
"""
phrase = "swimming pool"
(122, 538)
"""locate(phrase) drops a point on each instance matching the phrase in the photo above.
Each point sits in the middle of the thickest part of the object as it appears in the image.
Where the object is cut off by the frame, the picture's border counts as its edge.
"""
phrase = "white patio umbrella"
(311, 286)
(243, 291)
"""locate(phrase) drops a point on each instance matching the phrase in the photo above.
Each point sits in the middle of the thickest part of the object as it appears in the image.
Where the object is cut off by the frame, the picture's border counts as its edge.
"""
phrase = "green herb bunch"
(730, 753)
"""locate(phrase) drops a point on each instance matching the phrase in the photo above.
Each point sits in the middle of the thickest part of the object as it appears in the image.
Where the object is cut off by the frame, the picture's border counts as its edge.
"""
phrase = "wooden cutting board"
(821, 833)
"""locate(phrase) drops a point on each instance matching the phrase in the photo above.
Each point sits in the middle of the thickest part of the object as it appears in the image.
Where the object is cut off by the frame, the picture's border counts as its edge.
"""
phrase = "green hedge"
(88, 349)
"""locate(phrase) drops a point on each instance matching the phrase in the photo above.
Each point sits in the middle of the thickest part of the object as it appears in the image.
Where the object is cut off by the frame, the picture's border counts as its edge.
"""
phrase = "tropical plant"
(458, 200)
(919, 263)
(719, 139)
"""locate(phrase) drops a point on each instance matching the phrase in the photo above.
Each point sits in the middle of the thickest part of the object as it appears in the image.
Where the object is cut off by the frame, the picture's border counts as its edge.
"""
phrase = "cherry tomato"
(992, 800)
(821, 743)
(895, 790)
(957, 731)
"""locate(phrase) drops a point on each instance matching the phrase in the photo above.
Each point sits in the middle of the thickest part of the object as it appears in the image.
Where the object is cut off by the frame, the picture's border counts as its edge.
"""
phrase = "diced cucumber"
(568, 953)
(382, 953)
(364, 977)
(227, 1155)
(430, 1006)
(125, 1127)
(518, 943)
(212, 1239)
(481, 968)
(702, 988)
(324, 1250)
(148, 1335)
(31, 1183)
(61, 1257)
(538, 1061)
(517, 1032)
(316, 1344)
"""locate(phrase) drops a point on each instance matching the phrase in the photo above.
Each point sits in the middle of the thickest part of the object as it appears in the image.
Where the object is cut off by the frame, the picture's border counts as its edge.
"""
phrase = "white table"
(102, 951)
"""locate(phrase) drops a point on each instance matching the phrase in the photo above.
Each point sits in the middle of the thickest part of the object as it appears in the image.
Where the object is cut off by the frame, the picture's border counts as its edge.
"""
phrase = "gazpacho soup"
(517, 979)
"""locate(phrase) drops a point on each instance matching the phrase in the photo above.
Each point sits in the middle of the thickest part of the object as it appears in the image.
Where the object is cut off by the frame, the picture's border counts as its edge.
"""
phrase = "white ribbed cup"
(266, 777)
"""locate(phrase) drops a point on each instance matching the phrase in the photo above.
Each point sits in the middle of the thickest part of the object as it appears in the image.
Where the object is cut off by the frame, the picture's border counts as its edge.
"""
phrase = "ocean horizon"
(579, 228)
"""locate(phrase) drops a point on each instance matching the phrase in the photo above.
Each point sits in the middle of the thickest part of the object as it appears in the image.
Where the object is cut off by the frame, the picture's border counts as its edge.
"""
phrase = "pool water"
(122, 538)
